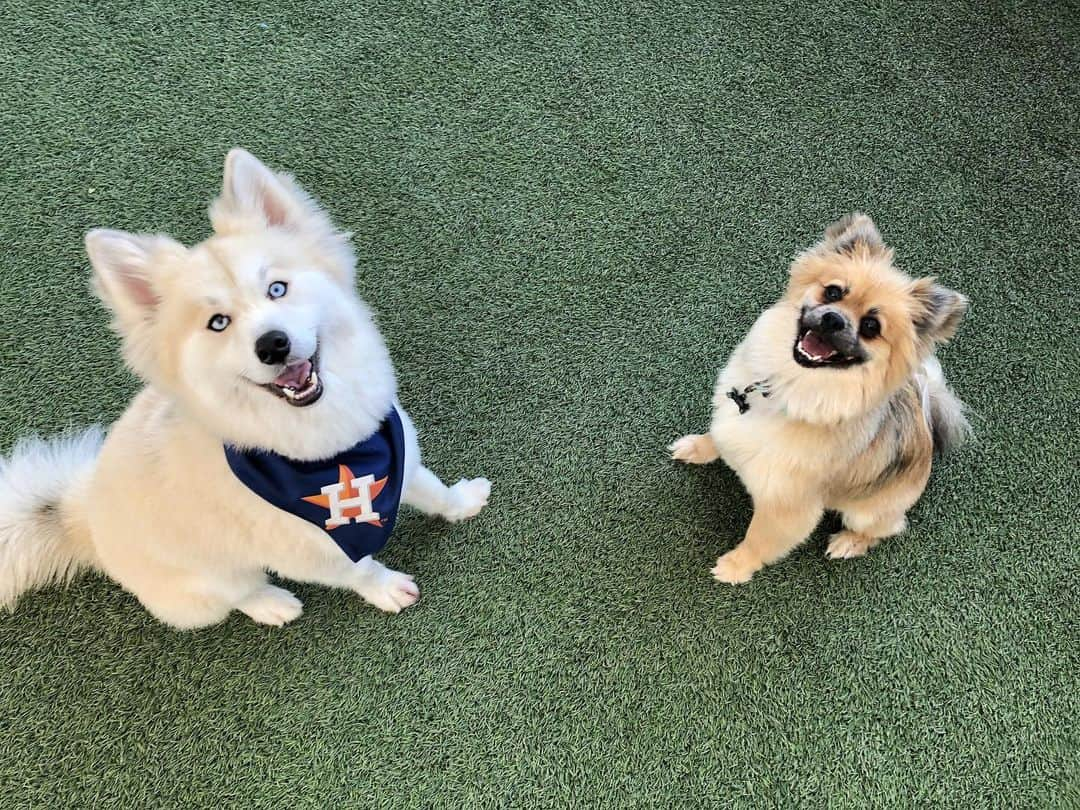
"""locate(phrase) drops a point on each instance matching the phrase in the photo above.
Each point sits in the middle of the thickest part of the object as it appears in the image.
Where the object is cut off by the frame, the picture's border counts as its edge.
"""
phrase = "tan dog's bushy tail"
(43, 534)
(945, 412)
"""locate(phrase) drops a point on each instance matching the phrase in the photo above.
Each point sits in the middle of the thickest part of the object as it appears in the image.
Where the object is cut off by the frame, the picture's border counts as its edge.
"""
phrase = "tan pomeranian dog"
(268, 437)
(834, 400)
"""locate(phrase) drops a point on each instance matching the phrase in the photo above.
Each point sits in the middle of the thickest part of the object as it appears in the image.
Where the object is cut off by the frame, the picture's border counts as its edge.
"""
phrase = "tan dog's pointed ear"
(855, 236)
(250, 189)
(937, 310)
(852, 231)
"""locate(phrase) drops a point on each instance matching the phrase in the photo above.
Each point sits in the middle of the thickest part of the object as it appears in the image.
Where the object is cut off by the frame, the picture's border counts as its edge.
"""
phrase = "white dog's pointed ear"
(124, 271)
(254, 198)
(250, 189)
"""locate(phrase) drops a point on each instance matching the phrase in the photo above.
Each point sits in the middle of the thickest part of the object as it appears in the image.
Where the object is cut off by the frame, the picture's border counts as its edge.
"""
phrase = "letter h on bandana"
(357, 510)
(342, 511)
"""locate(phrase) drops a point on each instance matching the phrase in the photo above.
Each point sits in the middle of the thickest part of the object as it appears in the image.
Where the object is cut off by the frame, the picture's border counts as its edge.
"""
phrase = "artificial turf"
(566, 215)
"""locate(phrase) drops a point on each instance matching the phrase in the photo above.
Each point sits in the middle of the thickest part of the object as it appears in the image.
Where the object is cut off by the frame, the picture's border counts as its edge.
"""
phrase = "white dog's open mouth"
(299, 383)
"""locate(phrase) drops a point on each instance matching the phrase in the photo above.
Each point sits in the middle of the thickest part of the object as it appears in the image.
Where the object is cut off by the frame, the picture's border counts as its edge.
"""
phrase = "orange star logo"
(345, 479)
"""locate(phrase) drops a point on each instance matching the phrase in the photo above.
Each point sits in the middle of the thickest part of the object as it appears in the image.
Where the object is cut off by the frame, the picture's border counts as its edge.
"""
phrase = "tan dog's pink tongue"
(816, 347)
(295, 375)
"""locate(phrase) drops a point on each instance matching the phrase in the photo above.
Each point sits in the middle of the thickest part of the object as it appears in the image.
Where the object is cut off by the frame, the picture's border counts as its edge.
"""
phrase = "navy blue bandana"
(353, 497)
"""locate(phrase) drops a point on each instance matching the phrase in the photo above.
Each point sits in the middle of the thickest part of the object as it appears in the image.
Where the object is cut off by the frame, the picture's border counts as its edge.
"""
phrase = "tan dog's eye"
(833, 293)
(869, 327)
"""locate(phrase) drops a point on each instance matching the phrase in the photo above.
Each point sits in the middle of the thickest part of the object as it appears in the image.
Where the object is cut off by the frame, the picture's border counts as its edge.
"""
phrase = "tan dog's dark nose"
(832, 322)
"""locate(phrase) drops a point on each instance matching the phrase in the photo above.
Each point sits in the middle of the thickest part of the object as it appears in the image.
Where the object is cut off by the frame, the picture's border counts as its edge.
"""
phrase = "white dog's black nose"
(272, 347)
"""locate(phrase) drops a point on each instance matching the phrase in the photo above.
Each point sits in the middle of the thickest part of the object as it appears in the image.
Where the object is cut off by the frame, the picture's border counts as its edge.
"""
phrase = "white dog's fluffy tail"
(43, 534)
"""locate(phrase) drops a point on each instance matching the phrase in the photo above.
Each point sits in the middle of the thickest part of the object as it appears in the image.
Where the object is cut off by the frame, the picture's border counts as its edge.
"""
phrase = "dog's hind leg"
(868, 521)
(184, 610)
(191, 602)
(862, 532)
(271, 605)
(430, 495)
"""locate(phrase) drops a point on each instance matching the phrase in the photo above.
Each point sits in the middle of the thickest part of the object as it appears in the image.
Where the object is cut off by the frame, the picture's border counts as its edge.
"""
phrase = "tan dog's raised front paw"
(696, 448)
(735, 568)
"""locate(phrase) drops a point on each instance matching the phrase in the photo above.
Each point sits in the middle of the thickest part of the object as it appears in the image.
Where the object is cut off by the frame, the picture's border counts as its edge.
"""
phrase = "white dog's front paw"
(391, 591)
(467, 497)
(272, 605)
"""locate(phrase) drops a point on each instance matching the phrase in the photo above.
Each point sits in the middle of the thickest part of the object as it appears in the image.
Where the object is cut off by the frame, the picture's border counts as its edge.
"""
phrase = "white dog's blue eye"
(219, 323)
(277, 289)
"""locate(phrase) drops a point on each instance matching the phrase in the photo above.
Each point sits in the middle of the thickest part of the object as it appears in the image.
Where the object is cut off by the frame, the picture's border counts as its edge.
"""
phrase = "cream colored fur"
(856, 440)
(159, 511)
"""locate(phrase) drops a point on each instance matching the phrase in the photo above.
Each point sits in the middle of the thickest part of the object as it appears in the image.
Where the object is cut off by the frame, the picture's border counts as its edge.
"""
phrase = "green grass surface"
(566, 216)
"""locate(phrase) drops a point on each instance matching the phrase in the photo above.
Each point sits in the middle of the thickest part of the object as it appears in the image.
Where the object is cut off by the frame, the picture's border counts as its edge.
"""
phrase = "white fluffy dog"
(263, 372)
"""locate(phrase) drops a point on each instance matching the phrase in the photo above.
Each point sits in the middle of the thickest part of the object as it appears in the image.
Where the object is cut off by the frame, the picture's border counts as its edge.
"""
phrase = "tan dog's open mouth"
(814, 351)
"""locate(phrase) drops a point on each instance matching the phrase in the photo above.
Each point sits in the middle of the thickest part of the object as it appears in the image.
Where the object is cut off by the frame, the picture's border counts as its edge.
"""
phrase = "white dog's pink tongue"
(295, 375)
(816, 347)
